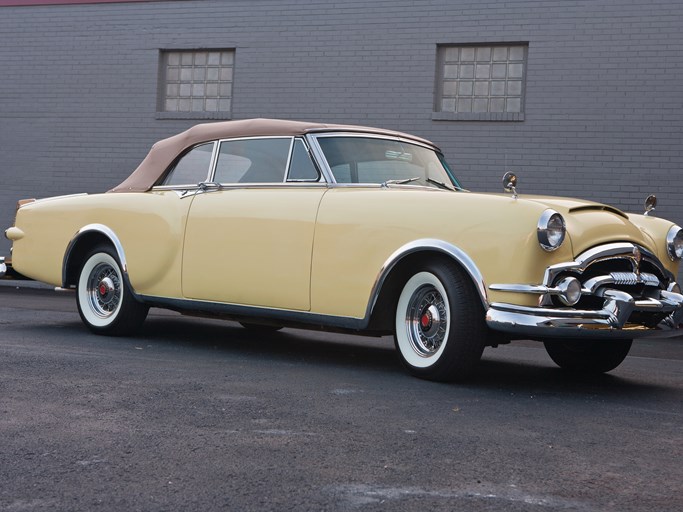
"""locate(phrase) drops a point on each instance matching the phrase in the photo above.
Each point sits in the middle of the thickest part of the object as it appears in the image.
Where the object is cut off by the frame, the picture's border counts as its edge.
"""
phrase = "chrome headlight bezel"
(674, 243)
(551, 230)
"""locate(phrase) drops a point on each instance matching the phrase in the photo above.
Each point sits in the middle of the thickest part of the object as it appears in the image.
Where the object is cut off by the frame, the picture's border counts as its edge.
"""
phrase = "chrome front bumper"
(609, 322)
(3, 267)
(654, 312)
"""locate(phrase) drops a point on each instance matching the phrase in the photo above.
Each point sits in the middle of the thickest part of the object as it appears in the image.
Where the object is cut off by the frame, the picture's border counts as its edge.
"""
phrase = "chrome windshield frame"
(321, 160)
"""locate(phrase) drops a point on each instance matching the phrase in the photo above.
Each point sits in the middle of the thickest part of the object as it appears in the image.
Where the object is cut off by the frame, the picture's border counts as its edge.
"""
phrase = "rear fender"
(84, 239)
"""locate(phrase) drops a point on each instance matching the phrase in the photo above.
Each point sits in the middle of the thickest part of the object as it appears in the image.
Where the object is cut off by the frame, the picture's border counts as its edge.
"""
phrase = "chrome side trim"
(329, 321)
(108, 233)
(240, 311)
(188, 191)
(434, 245)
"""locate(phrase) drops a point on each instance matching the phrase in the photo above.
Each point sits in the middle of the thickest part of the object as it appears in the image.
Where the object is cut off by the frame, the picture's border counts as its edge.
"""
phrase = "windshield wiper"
(440, 184)
(399, 182)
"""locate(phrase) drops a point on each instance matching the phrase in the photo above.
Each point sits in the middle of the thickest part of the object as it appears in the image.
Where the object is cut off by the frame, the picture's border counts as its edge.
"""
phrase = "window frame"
(162, 82)
(252, 183)
(169, 170)
(328, 173)
(318, 179)
(211, 175)
(440, 115)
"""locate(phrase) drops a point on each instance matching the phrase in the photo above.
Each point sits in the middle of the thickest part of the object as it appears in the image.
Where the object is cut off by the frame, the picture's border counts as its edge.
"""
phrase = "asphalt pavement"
(196, 414)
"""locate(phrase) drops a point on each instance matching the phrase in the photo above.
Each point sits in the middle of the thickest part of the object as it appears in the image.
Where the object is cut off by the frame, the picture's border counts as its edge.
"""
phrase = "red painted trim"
(26, 3)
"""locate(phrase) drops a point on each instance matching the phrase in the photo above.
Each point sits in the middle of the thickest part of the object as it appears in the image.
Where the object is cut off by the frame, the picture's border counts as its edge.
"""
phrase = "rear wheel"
(439, 325)
(588, 356)
(105, 303)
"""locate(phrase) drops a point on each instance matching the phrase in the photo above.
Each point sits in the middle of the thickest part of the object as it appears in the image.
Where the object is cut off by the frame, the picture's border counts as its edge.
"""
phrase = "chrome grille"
(621, 266)
(631, 278)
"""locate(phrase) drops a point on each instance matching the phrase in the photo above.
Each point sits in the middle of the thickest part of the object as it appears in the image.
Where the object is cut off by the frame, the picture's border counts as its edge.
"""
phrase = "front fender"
(433, 246)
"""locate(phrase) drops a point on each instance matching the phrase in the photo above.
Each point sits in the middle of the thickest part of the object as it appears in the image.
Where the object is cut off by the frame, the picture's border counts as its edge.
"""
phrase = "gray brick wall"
(603, 107)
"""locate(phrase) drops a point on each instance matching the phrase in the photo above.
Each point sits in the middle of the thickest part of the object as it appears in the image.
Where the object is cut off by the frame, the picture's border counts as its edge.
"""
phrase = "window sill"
(194, 115)
(482, 116)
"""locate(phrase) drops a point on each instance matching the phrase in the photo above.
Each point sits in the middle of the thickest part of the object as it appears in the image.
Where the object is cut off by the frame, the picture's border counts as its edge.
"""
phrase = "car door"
(249, 234)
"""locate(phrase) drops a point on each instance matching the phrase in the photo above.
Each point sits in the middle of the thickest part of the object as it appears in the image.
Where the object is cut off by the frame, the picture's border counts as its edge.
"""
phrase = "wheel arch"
(399, 267)
(85, 239)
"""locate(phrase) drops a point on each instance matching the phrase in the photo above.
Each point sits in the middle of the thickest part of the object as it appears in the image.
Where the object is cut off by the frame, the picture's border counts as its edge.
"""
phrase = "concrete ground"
(203, 415)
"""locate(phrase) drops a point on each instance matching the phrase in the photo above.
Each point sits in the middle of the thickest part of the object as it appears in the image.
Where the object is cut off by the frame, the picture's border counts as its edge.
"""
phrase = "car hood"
(570, 205)
(590, 223)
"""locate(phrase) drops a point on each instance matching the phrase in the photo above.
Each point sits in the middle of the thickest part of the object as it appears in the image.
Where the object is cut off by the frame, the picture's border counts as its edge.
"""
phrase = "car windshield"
(357, 159)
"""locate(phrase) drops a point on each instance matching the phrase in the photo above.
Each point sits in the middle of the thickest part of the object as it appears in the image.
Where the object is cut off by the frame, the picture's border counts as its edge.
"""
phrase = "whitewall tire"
(422, 330)
(105, 303)
(439, 323)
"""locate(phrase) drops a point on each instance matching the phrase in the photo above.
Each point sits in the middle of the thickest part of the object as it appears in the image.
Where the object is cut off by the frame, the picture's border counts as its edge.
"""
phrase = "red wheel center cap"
(425, 320)
(103, 289)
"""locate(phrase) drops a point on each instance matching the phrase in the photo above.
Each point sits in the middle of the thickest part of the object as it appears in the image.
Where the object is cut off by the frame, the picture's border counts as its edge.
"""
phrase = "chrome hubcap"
(426, 320)
(104, 290)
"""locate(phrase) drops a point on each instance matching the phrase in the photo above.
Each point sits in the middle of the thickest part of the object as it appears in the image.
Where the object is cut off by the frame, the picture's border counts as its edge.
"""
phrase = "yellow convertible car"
(279, 223)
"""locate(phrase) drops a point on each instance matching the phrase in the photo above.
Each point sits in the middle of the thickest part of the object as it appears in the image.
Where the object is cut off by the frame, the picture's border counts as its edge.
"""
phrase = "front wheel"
(588, 356)
(105, 303)
(439, 325)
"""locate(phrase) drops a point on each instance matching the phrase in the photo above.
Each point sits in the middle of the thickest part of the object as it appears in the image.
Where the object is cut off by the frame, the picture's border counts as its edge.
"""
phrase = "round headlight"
(551, 230)
(674, 243)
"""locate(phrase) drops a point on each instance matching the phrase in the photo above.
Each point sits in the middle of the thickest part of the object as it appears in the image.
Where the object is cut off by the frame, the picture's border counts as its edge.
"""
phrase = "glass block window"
(196, 81)
(482, 79)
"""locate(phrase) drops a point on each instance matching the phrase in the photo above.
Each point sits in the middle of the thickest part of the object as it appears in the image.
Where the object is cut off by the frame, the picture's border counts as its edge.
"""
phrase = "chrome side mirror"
(510, 183)
(650, 204)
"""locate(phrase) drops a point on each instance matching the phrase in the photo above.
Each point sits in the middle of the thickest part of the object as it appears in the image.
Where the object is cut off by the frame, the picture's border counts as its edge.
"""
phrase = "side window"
(342, 173)
(192, 167)
(253, 160)
(301, 167)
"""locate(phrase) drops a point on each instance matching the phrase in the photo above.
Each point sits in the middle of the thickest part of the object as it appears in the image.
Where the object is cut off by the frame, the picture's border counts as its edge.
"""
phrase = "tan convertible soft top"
(165, 151)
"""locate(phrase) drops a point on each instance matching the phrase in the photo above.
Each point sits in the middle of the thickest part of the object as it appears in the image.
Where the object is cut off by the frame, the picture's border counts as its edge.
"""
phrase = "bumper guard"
(609, 322)
(658, 312)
